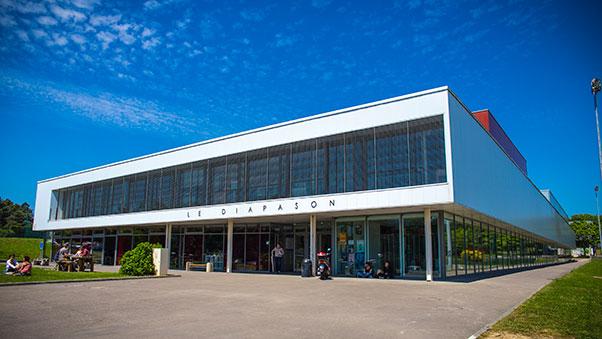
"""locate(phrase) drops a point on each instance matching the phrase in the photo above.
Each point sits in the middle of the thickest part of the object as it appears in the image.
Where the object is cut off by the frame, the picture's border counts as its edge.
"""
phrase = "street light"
(596, 189)
(596, 86)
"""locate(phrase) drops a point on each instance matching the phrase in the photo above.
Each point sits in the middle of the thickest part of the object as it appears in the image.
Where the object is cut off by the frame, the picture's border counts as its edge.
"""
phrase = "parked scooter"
(323, 268)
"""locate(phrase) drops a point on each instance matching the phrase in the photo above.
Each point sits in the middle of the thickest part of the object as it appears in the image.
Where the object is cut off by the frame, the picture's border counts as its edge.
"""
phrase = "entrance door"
(383, 235)
(301, 245)
(351, 246)
(414, 244)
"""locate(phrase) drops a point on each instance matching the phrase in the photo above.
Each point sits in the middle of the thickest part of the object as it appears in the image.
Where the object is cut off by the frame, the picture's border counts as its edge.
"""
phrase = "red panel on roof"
(488, 121)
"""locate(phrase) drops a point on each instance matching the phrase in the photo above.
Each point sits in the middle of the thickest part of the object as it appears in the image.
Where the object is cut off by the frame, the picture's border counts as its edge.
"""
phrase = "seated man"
(11, 264)
(367, 273)
(24, 268)
(62, 256)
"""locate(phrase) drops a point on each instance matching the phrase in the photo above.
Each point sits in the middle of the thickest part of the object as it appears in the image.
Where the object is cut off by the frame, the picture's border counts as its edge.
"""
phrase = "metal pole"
(595, 89)
(598, 215)
(598, 130)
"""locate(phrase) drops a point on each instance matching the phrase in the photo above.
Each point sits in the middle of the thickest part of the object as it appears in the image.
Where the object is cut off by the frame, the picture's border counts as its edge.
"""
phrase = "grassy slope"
(570, 306)
(21, 247)
(41, 274)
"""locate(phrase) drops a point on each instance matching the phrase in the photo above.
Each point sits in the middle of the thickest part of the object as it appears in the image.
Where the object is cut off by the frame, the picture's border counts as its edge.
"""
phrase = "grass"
(42, 274)
(568, 307)
(21, 247)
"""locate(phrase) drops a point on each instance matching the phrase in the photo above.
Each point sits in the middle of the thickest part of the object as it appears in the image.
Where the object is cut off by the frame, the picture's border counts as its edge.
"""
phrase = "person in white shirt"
(277, 255)
(11, 264)
(63, 252)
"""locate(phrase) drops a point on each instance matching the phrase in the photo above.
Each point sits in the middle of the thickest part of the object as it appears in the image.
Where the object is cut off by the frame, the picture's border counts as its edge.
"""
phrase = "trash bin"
(306, 268)
(209, 267)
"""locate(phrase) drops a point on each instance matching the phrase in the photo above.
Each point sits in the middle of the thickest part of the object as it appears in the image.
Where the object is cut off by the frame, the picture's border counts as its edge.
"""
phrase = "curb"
(487, 327)
(85, 280)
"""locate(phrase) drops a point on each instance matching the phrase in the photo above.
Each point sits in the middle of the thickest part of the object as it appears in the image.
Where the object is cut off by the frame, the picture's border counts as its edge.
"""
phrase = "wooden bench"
(64, 265)
(81, 263)
(190, 265)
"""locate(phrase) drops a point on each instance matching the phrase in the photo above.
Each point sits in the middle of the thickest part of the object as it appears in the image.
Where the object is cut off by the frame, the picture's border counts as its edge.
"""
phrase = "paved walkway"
(199, 304)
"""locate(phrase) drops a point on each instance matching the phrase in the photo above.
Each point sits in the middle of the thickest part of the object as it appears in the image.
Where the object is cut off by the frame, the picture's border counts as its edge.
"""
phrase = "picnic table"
(71, 263)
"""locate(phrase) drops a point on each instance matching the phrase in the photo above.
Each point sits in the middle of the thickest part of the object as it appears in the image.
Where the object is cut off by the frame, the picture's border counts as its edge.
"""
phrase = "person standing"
(277, 255)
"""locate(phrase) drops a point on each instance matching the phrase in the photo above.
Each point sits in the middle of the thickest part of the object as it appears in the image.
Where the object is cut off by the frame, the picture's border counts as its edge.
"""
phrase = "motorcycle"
(323, 268)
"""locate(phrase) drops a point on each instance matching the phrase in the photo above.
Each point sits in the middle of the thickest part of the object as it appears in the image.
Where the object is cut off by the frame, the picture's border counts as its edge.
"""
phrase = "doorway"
(384, 242)
(414, 252)
(351, 246)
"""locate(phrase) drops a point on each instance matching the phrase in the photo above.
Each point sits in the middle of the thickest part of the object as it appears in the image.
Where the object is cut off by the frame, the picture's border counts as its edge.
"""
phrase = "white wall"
(487, 181)
(409, 107)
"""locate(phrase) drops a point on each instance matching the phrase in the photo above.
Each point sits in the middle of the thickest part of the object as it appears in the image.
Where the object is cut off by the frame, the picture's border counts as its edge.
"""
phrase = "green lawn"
(568, 307)
(42, 274)
(21, 247)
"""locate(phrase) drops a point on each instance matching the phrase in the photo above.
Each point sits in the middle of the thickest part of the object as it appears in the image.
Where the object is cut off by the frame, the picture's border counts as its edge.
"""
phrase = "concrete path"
(199, 304)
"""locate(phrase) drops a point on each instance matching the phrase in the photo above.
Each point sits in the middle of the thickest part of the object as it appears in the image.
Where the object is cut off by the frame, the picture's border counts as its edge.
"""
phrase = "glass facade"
(397, 155)
(461, 245)
(472, 247)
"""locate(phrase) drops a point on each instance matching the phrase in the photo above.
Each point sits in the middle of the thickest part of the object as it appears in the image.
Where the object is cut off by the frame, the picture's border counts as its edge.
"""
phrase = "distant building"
(416, 180)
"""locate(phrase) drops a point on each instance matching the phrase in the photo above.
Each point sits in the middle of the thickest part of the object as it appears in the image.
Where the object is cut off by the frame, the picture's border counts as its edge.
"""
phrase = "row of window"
(398, 155)
(474, 247)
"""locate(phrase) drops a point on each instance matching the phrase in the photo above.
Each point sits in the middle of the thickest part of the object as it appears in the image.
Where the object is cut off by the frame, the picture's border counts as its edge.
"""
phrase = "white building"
(414, 180)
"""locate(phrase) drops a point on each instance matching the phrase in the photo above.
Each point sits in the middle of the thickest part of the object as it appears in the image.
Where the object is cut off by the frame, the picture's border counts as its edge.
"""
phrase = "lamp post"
(595, 89)
(596, 189)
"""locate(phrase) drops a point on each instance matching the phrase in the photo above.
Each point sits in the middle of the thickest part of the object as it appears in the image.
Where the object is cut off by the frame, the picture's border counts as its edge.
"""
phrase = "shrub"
(139, 261)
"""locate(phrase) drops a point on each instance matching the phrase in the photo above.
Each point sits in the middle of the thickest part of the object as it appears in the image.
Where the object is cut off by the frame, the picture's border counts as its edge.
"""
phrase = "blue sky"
(89, 82)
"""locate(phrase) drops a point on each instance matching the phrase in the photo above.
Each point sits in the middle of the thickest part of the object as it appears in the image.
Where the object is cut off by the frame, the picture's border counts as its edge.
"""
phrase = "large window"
(217, 181)
(330, 172)
(427, 154)
(137, 194)
(235, 181)
(279, 172)
(167, 187)
(392, 163)
(359, 161)
(302, 169)
(397, 155)
(257, 171)
(183, 180)
(198, 189)
(154, 191)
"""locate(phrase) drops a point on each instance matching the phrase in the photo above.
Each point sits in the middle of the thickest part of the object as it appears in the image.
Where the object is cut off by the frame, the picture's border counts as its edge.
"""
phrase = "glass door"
(383, 235)
(351, 246)
(413, 241)
(301, 245)
(414, 261)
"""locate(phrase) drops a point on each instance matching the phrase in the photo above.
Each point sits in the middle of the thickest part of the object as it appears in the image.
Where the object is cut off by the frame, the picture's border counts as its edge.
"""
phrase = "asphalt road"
(239, 305)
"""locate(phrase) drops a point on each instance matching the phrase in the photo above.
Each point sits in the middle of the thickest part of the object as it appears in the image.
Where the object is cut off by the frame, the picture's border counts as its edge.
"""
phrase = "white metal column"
(230, 236)
(168, 238)
(312, 241)
(428, 244)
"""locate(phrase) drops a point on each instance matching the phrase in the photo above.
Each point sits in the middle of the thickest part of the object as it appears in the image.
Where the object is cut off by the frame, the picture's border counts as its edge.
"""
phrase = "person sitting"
(367, 273)
(24, 268)
(386, 272)
(11, 264)
(63, 252)
(82, 253)
(62, 255)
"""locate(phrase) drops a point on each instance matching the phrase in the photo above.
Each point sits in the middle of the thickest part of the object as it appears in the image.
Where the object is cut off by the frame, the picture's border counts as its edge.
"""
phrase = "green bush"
(139, 261)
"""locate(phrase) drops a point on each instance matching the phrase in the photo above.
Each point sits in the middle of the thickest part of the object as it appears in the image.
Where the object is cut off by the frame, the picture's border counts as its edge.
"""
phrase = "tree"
(14, 218)
(585, 227)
